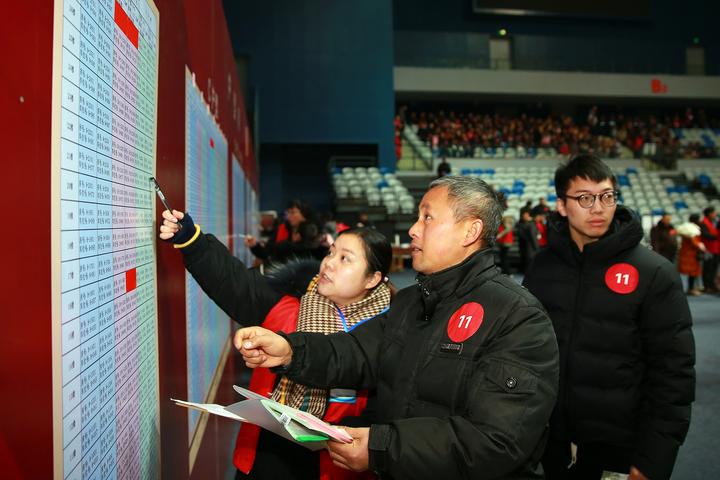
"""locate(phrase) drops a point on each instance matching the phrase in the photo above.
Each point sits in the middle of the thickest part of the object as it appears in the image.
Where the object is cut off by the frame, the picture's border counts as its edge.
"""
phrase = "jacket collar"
(625, 232)
(457, 279)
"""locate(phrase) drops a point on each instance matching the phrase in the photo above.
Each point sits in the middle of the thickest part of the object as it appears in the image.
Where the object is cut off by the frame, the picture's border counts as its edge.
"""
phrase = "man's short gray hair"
(471, 197)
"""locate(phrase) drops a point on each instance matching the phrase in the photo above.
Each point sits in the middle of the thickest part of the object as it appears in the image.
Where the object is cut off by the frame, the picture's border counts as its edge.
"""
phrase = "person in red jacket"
(711, 238)
(540, 223)
(350, 289)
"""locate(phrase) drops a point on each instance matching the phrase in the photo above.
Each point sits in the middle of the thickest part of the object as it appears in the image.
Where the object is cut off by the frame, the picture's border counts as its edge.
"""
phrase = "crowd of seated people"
(609, 134)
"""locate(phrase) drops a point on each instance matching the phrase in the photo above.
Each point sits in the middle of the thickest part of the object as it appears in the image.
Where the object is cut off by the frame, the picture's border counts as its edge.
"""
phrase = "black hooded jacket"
(465, 365)
(627, 352)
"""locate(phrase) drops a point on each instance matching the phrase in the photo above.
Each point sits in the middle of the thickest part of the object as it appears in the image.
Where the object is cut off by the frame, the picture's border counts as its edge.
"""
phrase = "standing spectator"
(542, 206)
(692, 250)
(527, 234)
(541, 225)
(297, 237)
(663, 238)
(624, 331)
(526, 208)
(711, 239)
(364, 220)
(505, 241)
(268, 225)
(444, 169)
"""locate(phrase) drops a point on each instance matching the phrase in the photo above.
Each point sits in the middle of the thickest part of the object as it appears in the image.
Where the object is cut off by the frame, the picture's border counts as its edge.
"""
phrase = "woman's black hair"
(378, 250)
(305, 209)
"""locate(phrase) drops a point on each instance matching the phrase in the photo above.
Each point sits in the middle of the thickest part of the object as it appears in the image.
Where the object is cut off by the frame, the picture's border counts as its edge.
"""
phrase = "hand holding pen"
(171, 224)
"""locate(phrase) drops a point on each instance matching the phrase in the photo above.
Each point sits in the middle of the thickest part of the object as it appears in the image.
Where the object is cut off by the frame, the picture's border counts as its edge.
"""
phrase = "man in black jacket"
(623, 326)
(527, 239)
(465, 363)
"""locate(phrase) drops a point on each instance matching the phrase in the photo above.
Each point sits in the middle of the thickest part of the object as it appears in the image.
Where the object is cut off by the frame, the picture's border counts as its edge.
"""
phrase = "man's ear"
(561, 207)
(474, 231)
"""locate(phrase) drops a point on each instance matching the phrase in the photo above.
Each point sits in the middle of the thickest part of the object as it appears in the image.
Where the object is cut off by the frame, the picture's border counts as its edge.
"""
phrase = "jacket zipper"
(571, 338)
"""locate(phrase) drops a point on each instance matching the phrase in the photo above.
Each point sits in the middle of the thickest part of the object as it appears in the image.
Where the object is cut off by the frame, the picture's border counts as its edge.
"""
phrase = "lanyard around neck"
(344, 321)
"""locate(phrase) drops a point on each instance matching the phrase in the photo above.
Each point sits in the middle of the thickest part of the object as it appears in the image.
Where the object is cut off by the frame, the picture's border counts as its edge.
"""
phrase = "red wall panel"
(25, 348)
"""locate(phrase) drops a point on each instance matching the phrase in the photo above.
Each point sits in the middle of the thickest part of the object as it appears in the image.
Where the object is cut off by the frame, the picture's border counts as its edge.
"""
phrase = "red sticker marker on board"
(130, 280)
(212, 143)
(622, 278)
(465, 322)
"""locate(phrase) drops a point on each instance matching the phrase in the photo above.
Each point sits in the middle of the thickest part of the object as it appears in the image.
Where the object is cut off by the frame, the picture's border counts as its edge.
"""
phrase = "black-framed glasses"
(587, 200)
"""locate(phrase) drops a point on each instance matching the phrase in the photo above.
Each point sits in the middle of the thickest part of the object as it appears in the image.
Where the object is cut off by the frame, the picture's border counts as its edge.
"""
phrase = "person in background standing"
(527, 234)
(540, 219)
(297, 237)
(711, 238)
(505, 241)
(444, 169)
(692, 251)
(542, 206)
(525, 208)
(663, 238)
(268, 225)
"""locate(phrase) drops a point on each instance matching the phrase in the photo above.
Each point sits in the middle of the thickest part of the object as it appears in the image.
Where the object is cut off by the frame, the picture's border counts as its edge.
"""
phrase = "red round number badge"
(465, 322)
(622, 278)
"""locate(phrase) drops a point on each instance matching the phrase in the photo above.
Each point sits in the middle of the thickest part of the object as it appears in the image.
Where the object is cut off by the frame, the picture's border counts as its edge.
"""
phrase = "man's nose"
(597, 206)
(413, 230)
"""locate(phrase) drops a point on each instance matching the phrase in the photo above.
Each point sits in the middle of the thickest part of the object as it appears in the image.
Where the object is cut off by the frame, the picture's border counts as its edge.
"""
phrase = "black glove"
(185, 233)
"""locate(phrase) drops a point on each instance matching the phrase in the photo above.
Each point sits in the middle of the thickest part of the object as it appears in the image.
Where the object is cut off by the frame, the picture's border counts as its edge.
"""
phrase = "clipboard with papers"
(293, 424)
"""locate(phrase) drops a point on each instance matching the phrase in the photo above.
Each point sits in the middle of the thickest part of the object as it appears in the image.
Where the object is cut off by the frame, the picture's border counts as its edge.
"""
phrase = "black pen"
(162, 198)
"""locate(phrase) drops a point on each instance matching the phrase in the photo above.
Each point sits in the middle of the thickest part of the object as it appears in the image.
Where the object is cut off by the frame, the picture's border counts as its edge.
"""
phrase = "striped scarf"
(320, 315)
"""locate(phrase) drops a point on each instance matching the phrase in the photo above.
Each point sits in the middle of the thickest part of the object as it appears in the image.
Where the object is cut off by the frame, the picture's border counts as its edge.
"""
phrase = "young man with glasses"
(624, 331)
